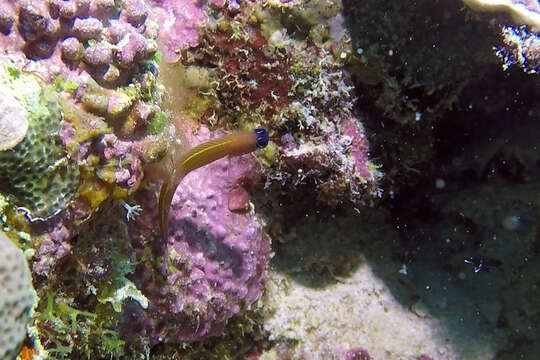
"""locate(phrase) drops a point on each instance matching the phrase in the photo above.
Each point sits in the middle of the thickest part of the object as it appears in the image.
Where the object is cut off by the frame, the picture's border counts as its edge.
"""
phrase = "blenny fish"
(203, 154)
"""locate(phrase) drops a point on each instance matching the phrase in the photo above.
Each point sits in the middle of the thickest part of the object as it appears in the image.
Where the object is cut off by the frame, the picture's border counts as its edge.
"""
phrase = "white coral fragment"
(13, 121)
(523, 12)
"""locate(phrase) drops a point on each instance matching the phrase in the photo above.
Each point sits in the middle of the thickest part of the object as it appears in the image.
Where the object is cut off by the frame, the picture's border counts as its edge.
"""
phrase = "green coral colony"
(35, 170)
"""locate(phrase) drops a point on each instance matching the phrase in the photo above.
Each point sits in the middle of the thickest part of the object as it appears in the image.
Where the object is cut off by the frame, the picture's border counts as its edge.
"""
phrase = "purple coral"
(101, 8)
(357, 354)
(128, 152)
(34, 22)
(67, 10)
(135, 12)
(116, 31)
(180, 25)
(85, 29)
(344, 153)
(305, 97)
(72, 49)
(98, 55)
(55, 242)
(44, 27)
(359, 147)
(54, 247)
(134, 49)
(7, 18)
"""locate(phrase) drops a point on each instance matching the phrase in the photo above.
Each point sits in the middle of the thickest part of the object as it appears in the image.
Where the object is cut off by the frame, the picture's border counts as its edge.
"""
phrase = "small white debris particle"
(440, 183)
(403, 270)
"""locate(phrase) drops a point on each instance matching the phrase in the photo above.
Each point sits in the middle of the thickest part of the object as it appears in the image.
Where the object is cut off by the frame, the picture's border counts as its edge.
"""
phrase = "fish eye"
(262, 137)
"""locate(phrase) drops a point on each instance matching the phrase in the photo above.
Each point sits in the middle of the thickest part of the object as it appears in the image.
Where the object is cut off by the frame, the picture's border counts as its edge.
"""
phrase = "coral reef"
(37, 172)
(259, 73)
(467, 169)
(214, 262)
(105, 39)
(141, 293)
(347, 93)
(93, 112)
(181, 21)
(16, 298)
(99, 59)
(82, 299)
(54, 242)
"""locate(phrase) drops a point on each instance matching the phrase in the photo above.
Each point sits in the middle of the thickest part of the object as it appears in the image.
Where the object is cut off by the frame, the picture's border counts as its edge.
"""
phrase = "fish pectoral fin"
(165, 199)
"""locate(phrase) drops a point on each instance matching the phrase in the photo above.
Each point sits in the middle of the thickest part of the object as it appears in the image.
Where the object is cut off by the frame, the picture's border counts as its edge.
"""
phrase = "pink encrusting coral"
(180, 25)
(55, 239)
(214, 262)
(356, 354)
(181, 21)
(54, 246)
(128, 152)
(359, 146)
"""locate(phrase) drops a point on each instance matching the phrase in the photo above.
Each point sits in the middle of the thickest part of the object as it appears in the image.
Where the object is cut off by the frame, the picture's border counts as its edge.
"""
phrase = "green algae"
(158, 122)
